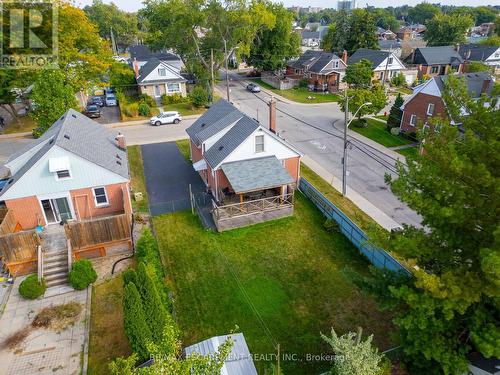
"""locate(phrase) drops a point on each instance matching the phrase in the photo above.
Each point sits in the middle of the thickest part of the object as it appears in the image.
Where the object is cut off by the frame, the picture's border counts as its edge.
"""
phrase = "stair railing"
(70, 254)
(40, 263)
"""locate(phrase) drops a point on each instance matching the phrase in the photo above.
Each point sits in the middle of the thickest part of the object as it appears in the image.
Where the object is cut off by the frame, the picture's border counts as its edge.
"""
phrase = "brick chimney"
(120, 141)
(272, 115)
(344, 57)
(485, 86)
(135, 64)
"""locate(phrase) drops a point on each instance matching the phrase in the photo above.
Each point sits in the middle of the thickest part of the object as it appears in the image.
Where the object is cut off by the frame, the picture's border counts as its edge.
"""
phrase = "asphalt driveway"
(168, 176)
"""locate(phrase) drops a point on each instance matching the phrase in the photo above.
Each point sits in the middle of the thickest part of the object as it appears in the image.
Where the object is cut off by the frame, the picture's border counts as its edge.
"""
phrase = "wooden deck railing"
(252, 207)
(19, 246)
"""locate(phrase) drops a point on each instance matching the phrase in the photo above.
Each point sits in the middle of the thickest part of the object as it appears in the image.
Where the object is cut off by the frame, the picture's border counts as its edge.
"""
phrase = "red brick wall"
(418, 106)
(26, 211)
(195, 152)
(292, 166)
(331, 80)
(426, 70)
(84, 203)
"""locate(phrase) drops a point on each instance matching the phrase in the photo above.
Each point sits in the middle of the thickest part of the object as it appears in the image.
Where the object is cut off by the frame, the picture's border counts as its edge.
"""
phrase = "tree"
(273, 47)
(444, 29)
(452, 301)
(53, 95)
(376, 96)
(7, 95)
(395, 114)
(497, 26)
(423, 12)
(477, 66)
(385, 19)
(121, 77)
(359, 74)
(352, 355)
(484, 14)
(491, 41)
(398, 80)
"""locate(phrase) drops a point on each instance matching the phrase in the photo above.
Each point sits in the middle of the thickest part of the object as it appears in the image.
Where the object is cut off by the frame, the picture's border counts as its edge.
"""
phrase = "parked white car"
(110, 100)
(171, 117)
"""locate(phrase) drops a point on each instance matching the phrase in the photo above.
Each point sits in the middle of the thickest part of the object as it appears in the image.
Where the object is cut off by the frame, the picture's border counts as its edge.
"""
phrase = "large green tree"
(359, 96)
(385, 19)
(451, 306)
(423, 12)
(395, 114)
(273, 47)
(359, 74)
(484, 14)
(445, 30)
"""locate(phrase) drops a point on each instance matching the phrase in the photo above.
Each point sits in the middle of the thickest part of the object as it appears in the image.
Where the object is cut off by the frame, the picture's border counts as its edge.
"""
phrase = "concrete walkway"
(43, 351)
(364, 205)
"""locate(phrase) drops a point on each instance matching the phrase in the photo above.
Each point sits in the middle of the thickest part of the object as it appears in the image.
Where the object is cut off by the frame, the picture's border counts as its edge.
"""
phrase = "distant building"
(488, 55)
(433, 61)
(393, 46)
(346, 4)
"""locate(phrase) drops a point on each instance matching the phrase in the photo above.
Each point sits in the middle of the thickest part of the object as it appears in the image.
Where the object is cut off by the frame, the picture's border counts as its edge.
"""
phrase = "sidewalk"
(375, 213)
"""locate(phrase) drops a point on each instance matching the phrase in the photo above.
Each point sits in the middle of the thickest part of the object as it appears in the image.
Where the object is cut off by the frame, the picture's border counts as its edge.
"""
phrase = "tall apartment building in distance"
(346, 5)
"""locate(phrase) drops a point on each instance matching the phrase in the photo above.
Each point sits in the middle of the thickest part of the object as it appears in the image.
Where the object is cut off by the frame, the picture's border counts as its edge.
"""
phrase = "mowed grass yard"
(301, 94)
(292, 272)
(376, 131)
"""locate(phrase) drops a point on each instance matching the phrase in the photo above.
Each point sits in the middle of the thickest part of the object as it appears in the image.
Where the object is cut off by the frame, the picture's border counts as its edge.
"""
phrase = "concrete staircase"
(55, 256)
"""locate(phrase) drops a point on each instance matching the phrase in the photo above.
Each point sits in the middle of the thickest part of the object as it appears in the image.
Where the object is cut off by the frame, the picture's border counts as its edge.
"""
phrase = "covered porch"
(258, 190)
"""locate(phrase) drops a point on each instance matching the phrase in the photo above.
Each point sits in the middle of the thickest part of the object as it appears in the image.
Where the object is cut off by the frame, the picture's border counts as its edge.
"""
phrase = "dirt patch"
(58, 318)
(16, 339)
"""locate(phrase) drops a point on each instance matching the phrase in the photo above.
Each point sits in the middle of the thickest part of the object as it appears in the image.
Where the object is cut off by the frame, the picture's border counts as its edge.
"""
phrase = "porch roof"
(256, 174)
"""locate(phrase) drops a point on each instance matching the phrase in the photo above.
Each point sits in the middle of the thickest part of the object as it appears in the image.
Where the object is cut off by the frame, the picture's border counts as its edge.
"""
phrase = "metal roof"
(256, 174)
(375, 56)
(239, 361)
(437, 55)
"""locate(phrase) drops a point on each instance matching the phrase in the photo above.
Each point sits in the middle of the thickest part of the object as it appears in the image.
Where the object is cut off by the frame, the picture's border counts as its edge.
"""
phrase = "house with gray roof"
(488, 55)
(434, 61)
(250, 171)
(76, 172)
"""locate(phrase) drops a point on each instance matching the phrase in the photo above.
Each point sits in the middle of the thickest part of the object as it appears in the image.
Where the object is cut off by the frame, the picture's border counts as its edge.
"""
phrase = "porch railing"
(40, 262)
(252, 207)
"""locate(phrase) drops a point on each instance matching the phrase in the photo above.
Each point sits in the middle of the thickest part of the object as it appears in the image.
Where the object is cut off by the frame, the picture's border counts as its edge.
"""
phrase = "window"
(100, 197)
(259, 143)
(413, 120)
(390, 60)
(173, 87)
(336, 64)
(434, 69)
(162, 72)
(63, 174)
(430, 109)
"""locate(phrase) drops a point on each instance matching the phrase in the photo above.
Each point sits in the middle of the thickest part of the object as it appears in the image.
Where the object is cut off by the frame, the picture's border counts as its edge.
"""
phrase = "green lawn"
(107, 335)
(290, 269)
(413, 151)
(377, 131)
(138, 181)
(26, 124)
(185, 109)
(183, 146)
(301, 94)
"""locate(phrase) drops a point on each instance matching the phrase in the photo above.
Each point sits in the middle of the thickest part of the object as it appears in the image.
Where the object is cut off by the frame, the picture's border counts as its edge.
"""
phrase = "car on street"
(96, 100)
(111, 100)
(170, 117)
(109, 90)
(252, 87)
(92, 111)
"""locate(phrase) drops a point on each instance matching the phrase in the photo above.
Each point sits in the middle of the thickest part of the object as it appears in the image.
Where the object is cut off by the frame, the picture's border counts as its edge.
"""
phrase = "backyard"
(291, 271)
(301, 94)
(377, 131)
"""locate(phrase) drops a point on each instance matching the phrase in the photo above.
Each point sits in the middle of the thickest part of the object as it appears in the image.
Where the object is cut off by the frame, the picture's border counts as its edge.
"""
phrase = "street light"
(346, 125)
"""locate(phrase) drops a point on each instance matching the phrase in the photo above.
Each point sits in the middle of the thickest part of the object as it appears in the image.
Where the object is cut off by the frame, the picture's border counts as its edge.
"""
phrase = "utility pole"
(212, 88)
(227, 71)
(344, 158)
(386, 65)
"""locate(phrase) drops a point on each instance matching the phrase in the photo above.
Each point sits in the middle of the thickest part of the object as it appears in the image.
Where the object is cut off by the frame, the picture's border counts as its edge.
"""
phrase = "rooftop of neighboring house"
(477, 52)
(154, 63)
(443, 55)
(307, 34)
(141, 52)
(77, 134)
(376, 57)
(389, 44)
(312, 60)
(381, 30)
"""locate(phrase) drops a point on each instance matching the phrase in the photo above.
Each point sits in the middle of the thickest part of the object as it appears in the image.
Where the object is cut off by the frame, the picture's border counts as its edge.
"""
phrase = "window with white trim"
(162, 72)
(430, 109)
(63, 174)
(413, 120)
(173, 87)
(336, 64)
(391, 60)
(100, 196)
(259, 143)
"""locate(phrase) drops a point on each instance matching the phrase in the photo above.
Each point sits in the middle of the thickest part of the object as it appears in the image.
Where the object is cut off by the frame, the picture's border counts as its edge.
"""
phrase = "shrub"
(199, 96)
(172, 99)
(129, 276)
(134, 319)
(303, 83)
(398, 80)
(130, 110)
(145, 98)
(37, 132)
(30, 288)
(82, 274)
(144, 109)
(331, 226)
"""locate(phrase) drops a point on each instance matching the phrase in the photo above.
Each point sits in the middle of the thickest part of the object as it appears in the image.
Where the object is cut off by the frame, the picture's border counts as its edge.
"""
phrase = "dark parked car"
(92, 111)
(96, 100)
(252, 87)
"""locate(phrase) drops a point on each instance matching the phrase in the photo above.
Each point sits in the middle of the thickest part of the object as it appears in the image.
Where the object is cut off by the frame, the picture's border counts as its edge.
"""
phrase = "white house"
(157, 78)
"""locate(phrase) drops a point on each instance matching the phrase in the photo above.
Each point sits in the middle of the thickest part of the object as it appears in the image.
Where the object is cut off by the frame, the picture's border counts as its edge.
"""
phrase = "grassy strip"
(185, 109)
(138, 180)
(377, 131)
(292, 272)
(107, 335)
(183, 146)
(410, 151)
(26, 124)
(301, 94)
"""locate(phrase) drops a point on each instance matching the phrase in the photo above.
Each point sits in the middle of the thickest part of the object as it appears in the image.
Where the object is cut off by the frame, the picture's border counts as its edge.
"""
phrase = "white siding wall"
(39, 181)
(154, 76)
(396, 65)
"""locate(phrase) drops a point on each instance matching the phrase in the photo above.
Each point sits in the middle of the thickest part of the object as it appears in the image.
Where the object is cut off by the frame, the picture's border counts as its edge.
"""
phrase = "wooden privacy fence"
(19, 246)
(7, 222)
(98, 231)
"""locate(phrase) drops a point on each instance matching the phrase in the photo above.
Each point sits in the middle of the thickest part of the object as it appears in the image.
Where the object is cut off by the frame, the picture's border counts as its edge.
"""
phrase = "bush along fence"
(378, 257)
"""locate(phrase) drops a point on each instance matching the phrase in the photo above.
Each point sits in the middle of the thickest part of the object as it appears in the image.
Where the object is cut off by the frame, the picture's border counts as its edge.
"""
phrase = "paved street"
(309, 127)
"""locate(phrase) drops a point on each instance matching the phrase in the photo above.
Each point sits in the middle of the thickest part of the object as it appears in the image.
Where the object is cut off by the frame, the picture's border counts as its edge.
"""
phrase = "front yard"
(301, 94)
(377, 131)
(290, 271)
(138, 181)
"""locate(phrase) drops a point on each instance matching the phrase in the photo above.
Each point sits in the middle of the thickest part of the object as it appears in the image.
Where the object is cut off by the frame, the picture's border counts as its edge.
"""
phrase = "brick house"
(242, 162)
(434, 61)
(426, 101)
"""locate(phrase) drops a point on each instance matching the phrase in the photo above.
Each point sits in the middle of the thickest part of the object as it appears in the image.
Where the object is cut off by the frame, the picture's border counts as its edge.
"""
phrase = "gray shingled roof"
(437, 56)
(81, 136)
(322, 62)
(473, 81)
(230, 141)
(151, 65)
(389, 44)
(256, 174)
(306, 59)
(375, 56)
(476, 52)
(307, 34)
(220, 115)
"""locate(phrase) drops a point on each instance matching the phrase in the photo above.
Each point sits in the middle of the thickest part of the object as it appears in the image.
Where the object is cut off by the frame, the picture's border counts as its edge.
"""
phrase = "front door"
(56, 210)
(157, 91)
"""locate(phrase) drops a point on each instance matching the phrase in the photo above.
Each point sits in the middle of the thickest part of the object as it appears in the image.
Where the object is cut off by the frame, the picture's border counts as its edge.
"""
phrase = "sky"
(133, 5)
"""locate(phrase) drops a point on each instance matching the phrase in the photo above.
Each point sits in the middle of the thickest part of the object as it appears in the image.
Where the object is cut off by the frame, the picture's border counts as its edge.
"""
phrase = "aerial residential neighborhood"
(256, 187)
